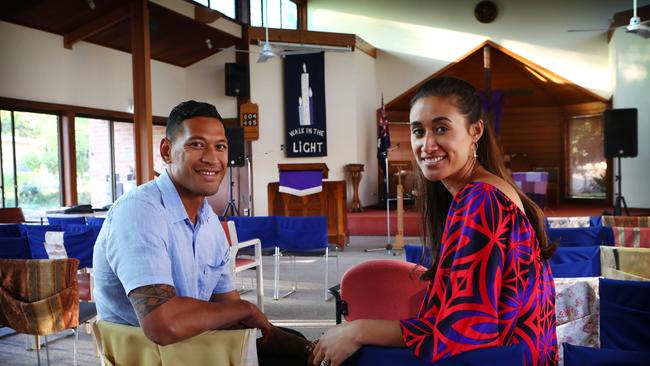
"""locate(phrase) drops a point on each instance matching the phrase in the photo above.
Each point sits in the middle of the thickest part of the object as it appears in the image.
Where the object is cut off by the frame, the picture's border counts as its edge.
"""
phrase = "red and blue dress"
(491, 287)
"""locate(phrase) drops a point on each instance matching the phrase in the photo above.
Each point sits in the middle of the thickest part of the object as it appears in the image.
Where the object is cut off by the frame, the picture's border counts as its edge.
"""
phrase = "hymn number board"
(249, 120)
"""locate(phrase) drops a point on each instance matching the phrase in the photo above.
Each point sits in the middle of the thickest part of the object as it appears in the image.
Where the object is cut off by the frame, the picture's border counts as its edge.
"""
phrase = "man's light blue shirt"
(147, 238)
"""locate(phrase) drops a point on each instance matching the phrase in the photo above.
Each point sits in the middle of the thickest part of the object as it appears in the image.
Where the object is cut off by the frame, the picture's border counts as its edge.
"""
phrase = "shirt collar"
(172, 200)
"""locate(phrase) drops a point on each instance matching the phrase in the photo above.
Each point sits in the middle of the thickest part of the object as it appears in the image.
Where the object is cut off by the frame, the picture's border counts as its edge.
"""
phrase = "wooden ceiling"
(175, 38)
(524, 83)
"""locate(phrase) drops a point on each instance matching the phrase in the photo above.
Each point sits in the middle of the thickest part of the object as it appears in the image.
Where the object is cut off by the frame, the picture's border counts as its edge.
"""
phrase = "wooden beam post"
(96, 25)
(141, 56)
(69, 159)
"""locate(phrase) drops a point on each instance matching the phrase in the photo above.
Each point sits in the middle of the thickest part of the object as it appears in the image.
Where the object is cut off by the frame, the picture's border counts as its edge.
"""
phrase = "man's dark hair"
(187, 110)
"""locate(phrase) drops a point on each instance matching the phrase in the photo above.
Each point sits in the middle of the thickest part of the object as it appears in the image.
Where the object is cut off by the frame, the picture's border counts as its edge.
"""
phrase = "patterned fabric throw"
(39, 297)
(626, 221)
(563, 222)
(632, 237)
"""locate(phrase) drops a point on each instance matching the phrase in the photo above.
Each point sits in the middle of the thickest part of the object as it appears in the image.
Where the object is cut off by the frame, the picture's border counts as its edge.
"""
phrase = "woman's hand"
(337, 344)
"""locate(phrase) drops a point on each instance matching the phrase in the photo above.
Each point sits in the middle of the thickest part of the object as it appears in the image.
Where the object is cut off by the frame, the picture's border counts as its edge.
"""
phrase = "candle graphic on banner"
(305, 112)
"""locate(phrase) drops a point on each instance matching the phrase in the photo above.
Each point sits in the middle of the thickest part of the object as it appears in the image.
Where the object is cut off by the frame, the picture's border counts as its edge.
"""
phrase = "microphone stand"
(389, 246)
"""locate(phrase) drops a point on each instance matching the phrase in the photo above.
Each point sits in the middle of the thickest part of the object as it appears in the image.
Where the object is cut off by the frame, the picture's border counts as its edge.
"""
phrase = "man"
(161, 260)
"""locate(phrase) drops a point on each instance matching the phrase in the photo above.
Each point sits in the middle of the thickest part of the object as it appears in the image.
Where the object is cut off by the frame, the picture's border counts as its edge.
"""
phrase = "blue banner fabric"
(304, 105)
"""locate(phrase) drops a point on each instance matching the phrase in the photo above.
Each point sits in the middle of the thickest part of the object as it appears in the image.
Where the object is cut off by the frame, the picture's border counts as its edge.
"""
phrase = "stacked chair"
(624, 324)
(40, 246)
(247, 261)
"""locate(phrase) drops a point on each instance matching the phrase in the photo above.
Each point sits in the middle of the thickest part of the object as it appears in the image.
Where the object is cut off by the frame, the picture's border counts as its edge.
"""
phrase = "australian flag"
(383, 140)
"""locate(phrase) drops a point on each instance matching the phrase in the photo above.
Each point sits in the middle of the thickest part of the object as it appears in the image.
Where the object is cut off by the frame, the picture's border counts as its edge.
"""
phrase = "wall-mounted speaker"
(237, 81)
(236, 150)
(620, 132)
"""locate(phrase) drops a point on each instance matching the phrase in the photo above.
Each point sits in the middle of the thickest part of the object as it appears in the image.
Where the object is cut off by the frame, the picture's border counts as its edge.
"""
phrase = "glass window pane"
(256, 13)
(289, 15)
(158, 134)
(274, 14)
(202, 2)
(124, 150)
(93, 161)
(226, 7)
(587, 162)
(37, 162)
(7, 160)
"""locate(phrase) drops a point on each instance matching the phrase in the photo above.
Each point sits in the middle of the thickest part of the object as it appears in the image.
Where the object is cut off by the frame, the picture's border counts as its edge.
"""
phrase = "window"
(226, 7)
(29, 165)
(587, 164)
(282, 14)
(112, 172)
(158, 134)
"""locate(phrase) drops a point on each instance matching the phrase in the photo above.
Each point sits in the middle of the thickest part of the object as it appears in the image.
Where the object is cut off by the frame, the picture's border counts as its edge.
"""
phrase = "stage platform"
(372, 221)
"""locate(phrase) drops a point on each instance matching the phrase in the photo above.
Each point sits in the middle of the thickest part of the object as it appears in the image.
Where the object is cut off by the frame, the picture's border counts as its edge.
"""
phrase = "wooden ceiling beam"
(205, 15)
(301, 36)
(96, 25)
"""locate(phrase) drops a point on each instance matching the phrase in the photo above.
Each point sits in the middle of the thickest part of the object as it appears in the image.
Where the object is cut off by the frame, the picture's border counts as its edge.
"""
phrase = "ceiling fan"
(268, 51)
(636, 26)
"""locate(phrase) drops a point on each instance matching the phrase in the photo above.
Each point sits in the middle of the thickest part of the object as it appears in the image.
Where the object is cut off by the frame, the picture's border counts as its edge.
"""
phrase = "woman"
(490, 284)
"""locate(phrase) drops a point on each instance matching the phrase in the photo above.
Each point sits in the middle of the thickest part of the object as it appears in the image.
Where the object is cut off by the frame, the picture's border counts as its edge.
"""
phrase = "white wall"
(419, 37)
(630, 55)
(39, 68)
(349, 95)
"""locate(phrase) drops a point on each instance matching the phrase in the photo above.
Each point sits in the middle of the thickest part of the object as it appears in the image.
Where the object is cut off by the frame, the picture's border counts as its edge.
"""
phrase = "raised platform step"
(373, 222)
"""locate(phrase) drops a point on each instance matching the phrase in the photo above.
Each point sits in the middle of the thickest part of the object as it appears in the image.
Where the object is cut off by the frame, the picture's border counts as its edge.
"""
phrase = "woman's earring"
(475, 150)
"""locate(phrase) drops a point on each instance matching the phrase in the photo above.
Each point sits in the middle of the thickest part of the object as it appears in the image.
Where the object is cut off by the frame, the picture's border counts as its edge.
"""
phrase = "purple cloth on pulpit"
(301, 183)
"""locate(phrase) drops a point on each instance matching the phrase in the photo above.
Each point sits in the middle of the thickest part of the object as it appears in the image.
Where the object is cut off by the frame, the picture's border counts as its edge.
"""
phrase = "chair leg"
(38, 353)
(276, 278)
(76, 342)
(260, 287)
(327, 256)
(47, 351)
(294, 281)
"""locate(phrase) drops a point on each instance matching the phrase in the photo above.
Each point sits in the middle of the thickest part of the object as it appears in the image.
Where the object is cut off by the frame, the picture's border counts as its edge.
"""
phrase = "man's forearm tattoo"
(146, 299)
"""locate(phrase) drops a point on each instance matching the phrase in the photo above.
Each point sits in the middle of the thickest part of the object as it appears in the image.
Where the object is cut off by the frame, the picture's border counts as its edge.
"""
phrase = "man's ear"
(166, 150)
(476, 130)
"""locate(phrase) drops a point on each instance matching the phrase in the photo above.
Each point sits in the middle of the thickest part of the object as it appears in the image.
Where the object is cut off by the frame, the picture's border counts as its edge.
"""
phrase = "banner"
(304, 105)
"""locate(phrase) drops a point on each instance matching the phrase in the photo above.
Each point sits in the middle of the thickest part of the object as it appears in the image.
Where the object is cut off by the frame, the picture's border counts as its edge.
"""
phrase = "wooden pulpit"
(329, 202)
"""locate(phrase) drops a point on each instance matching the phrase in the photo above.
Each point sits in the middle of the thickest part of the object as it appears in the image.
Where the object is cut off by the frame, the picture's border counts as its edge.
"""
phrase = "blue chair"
(78, 242)
(95, 221)
(301, 236)
(10, 230)
(257, 227)
(576, 262)
(389, 356)
(15, 248)
(624, 315)
(596, 220)
(580, 356)
(581, 236)
(414, 253)
(63, 221)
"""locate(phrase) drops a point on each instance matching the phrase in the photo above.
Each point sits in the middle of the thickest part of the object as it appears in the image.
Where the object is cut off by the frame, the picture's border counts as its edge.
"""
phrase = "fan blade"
(590, 30)
(302, 52)
(264, 56)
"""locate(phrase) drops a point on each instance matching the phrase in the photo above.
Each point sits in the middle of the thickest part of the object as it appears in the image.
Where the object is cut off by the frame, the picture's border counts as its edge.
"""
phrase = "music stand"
(231, 206)
(619, 194)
